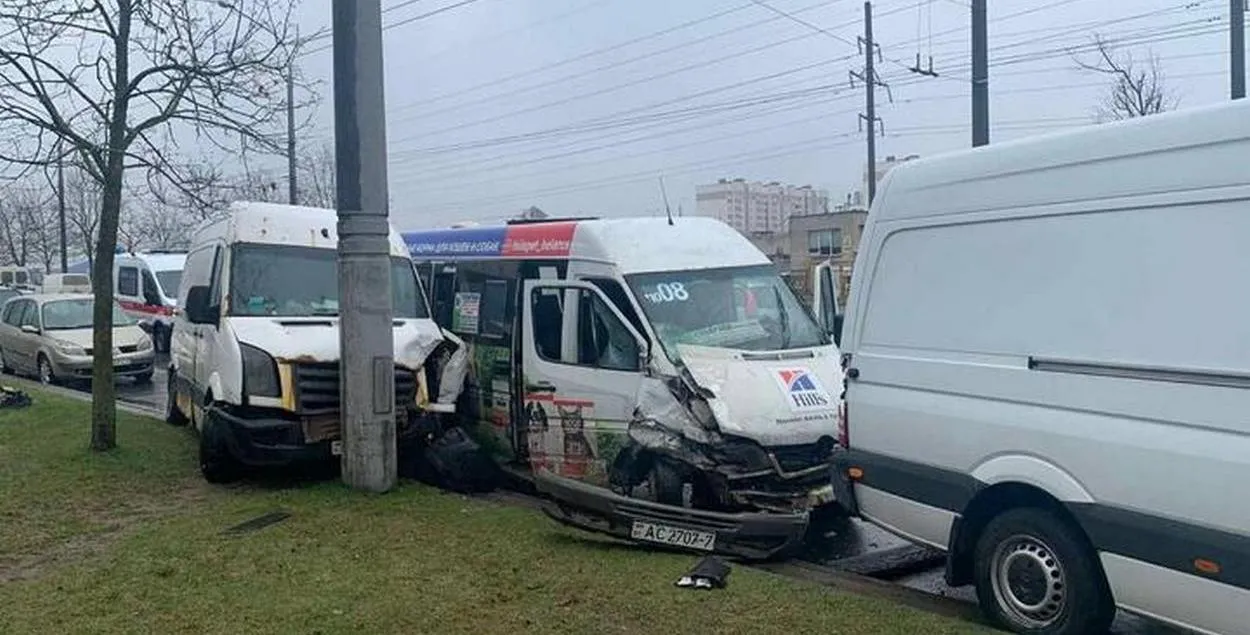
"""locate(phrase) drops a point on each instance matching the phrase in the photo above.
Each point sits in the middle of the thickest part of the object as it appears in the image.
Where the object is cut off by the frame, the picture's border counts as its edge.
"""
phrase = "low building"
(815, 238)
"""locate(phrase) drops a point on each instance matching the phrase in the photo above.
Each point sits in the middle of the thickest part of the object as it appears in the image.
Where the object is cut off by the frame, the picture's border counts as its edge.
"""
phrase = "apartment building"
(756, 208)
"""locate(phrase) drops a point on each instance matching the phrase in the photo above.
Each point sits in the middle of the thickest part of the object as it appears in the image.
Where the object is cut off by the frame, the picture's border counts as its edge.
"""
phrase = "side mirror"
(30, 328)
(199, 308)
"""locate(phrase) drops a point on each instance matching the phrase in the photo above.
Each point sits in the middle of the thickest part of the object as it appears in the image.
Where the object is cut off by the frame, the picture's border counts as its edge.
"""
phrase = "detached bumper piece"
(749, 536)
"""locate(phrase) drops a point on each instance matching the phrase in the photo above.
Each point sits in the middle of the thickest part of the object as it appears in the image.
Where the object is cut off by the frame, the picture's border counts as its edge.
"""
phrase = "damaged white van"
(657, 378)
(254, 364)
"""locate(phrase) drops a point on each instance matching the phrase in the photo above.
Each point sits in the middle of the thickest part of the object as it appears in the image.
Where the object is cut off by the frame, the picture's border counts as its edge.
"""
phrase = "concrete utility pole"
(60, 205)
(292, 190)
(1237, 42)
(871, 81)
(980, 76)
(366, 343)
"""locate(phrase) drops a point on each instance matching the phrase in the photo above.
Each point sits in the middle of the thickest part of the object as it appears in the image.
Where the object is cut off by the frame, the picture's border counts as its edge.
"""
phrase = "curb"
(128, 407)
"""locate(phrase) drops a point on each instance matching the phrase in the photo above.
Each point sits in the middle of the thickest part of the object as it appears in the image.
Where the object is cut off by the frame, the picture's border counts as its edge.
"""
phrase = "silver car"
(50, 337)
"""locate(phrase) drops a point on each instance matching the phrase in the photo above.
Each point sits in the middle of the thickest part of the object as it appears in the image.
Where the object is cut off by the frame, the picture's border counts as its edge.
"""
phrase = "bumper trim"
(750, 536)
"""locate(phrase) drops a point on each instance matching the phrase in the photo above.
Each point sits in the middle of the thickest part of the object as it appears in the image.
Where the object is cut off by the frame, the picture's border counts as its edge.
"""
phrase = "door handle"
(541, 386)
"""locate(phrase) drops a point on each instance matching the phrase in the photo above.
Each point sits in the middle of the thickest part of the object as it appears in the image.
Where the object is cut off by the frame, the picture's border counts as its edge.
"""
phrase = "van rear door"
(581, 371)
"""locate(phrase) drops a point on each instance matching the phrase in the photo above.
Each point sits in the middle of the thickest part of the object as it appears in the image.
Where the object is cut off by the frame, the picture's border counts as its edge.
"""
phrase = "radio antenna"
(667, 210)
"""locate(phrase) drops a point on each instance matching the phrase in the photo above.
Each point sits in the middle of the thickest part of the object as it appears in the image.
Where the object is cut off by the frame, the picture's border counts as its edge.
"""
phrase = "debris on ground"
(260, 522)
(709, 573)
(453, 461)
(13, 398)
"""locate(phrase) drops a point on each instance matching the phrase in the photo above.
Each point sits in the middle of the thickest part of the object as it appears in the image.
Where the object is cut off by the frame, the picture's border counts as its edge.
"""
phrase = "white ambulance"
(146, 287)
(640, 364)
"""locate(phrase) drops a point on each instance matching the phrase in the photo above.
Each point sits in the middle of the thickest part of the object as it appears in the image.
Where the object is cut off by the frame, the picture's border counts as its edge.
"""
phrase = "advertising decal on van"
(548, 240)
(803, 391)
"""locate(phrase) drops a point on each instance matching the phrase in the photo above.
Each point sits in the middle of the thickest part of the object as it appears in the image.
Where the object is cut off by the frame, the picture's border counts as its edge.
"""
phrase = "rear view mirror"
(199, 309)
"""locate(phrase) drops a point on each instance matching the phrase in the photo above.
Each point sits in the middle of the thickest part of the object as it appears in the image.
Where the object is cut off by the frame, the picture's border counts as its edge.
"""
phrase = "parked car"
(50, 337)
(1048, 371)
(66, 283)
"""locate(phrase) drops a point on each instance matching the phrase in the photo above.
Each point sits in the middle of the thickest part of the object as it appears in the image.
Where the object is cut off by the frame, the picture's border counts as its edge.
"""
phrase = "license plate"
(675, 536)
(336, 448)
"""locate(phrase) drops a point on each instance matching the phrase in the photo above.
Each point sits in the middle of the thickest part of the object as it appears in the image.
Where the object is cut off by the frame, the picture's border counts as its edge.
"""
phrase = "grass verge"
(133, 541)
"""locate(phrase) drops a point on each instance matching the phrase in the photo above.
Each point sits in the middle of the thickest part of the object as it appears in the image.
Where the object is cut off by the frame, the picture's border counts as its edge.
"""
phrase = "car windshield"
(60, 315)
(169, 282)
(742, 308)
(290, 281)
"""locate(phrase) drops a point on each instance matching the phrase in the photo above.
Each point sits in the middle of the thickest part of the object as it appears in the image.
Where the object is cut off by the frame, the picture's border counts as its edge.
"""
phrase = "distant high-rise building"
(753, 207)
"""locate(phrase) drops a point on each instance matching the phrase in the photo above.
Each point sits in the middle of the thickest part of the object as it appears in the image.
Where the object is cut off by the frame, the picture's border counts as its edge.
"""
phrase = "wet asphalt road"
(848, 545)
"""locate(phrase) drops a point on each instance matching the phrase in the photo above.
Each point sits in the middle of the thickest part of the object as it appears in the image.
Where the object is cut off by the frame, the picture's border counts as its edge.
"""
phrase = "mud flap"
(749, 536)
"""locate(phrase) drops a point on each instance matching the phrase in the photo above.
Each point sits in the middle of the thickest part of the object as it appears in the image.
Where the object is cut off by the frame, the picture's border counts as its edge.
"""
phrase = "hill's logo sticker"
(803, 391)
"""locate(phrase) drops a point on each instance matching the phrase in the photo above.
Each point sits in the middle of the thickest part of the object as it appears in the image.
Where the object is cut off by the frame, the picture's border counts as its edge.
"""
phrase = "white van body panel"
(1062, 312)
(317, 338)
(642, 245)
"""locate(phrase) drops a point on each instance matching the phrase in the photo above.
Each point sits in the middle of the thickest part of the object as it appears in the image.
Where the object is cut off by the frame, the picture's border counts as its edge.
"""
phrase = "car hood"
(122, 336)
(774, 398)
(316, 339)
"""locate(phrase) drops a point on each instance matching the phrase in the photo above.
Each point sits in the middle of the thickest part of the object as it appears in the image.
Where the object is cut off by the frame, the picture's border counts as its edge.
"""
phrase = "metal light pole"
(1237, 45)
(367, 371)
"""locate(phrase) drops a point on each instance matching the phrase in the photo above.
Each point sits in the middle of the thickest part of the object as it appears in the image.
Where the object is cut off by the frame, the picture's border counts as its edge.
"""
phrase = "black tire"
(173, 416)
(162, 339)
(44, 371)
(216, 464)
(1036, 573)
(667, 484)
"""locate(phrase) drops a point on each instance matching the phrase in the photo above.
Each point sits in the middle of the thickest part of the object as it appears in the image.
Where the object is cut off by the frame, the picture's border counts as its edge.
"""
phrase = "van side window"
(616, 293)
(196, 271)
(214, 282)
(602, 339)
(493, 312)
(151, 296)
(128, 281)
(548, 319)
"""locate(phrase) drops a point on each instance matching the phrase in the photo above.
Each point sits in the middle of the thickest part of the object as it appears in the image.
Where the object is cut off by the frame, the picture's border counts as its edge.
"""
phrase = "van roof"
(280, 224)
(634, 245)
(1196, 148)
(157, 261)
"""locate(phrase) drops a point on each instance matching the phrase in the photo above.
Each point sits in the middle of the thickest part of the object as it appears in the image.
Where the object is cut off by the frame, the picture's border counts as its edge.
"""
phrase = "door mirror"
(30, 328)
(199, 309)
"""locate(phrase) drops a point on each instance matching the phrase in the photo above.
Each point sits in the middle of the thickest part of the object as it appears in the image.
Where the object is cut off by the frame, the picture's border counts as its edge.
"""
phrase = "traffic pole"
(367, 371)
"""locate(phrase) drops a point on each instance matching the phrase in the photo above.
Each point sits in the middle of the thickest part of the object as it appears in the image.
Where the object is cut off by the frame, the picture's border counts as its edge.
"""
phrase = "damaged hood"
(317, 338)
(774, 398)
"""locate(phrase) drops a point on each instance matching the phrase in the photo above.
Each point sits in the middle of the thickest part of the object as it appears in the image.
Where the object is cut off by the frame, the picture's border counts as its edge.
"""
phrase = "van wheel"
(173, 416)
(216, 464)
(1035, 573)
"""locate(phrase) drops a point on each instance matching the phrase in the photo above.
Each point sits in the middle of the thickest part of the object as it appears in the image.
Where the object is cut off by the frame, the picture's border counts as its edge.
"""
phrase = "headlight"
(69, 348)
(145, 343)
(260, 373)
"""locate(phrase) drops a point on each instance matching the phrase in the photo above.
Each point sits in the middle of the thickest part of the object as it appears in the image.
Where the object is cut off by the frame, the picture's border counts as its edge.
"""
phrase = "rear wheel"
(173, 415)
(1037, 574)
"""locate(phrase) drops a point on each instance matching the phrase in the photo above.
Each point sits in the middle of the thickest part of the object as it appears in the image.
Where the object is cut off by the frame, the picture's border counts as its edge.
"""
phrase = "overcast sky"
(579, 106)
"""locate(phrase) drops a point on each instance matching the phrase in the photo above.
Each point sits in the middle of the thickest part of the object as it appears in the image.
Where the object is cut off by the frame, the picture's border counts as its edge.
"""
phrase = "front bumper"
(273, 441)
(748, 535)
(124, 365)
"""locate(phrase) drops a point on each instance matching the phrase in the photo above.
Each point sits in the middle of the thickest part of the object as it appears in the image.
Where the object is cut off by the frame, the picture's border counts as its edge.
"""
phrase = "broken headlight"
(260, 373)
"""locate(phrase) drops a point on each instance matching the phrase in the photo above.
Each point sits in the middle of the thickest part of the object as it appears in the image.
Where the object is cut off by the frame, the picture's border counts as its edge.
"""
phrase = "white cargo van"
(1047, 354)
(146, 285)
(255, 358)
(638, 356)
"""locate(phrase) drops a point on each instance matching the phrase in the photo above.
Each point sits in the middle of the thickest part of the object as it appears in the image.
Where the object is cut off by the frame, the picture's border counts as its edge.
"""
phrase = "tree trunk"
(103, 392)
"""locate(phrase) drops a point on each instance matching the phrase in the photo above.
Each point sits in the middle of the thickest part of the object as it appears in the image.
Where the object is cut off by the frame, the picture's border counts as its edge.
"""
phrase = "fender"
(215, 389)
(1031, 470)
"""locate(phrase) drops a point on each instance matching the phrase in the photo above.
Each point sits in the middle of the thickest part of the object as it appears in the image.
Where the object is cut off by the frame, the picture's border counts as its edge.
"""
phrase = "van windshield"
(743, 308)
(169, 282)
(291, 281)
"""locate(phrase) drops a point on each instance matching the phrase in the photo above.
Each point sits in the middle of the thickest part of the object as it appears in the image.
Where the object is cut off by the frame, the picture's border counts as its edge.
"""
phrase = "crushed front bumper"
(748, 535)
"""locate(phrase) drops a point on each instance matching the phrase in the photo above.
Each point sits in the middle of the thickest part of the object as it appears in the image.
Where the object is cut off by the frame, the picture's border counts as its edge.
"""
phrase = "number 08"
(673, 291)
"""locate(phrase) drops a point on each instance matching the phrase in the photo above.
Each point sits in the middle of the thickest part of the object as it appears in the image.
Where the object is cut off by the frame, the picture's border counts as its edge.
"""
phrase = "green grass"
(132, 541)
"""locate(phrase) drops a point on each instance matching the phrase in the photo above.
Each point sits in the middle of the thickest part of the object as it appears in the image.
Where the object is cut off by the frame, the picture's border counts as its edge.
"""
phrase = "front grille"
(317, 389)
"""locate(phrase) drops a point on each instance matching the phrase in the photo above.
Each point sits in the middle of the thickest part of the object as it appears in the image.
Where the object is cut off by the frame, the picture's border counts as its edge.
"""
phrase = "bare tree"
(1138, 89)
(113, 80)
(316, 172)
(82, 212)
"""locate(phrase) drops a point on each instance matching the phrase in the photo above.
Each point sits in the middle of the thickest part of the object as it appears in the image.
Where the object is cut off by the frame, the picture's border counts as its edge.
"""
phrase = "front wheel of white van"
(1036, 574)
